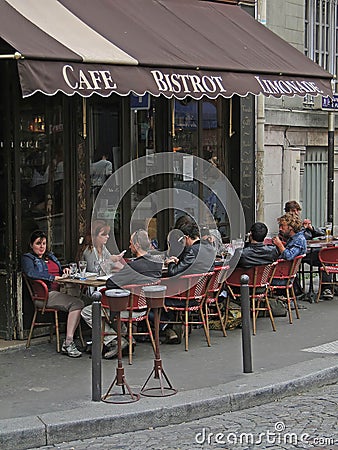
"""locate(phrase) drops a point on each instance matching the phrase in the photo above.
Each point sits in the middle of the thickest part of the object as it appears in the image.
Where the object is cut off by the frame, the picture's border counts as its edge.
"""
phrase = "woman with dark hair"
(41, 264)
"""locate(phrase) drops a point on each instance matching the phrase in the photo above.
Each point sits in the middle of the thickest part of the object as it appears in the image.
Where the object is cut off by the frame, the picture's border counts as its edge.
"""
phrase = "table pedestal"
(159, 374)
(120, 379)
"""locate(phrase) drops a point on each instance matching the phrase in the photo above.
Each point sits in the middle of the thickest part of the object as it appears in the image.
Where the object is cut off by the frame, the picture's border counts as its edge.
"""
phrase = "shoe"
(327, 294)
(172, 337)
(112, 353)
(70, 350)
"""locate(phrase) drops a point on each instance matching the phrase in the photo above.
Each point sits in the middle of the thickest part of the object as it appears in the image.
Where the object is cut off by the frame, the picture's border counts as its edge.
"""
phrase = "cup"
(328, 229)
(73, 270)
(82, 269)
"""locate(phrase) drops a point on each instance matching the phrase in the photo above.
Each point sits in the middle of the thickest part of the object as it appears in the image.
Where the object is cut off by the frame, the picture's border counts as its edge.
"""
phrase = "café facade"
(83, 84)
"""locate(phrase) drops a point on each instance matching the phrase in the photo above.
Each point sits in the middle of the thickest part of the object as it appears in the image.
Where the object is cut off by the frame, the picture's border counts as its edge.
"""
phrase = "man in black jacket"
(255, 253)
(197, 256)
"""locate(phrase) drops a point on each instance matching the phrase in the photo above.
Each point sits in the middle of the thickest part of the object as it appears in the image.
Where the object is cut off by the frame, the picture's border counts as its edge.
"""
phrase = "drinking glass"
(73, 270)
(82, 269)
(328, 228)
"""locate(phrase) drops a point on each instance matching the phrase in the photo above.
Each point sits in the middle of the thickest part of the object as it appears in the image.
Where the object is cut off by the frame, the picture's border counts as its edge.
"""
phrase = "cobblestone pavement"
(307, 420)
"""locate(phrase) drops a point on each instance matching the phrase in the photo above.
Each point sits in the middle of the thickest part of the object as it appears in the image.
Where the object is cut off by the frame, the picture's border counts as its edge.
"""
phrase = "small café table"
(90, 281)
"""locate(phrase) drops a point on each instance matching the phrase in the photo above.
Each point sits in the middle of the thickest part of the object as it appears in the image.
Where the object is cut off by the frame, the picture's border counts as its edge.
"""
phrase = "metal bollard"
(96, 347)
(246, 329)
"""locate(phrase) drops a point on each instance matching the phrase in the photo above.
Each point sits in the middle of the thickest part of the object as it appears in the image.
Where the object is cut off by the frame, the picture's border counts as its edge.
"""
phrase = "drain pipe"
(261, 13)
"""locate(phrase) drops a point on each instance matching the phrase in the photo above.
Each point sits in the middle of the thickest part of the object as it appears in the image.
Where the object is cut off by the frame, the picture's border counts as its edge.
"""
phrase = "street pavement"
(307, 420)
(46, 398)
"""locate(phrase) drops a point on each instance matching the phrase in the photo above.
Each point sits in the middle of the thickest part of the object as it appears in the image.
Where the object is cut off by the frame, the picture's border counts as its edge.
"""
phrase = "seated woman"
(40, 264)
(95, 251)
(96, 254)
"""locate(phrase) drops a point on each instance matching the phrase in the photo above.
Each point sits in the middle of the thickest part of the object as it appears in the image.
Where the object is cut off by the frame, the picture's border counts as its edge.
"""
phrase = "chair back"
(287, 270)
(138, 299)
(328, 256)
(259, 276)
(37, 289)
(217, 279)
(188, 287)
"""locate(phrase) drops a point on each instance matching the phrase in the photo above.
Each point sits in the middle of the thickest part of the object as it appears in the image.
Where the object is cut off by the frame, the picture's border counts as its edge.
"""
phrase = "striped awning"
(174, 48)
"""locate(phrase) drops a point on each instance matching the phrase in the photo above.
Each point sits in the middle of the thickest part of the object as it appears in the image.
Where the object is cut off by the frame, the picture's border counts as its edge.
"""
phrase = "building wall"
(291, 126)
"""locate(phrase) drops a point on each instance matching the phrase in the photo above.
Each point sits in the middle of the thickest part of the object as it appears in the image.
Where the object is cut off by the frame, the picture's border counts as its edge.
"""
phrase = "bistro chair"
(214, 288)
(259, 282)
(190, 291)
(328, 256)
(38, 292)
(285, 274)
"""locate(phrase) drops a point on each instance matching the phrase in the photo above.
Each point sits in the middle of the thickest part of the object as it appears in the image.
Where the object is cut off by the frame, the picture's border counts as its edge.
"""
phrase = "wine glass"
(73, 270)
(82, 269)
(328, 228)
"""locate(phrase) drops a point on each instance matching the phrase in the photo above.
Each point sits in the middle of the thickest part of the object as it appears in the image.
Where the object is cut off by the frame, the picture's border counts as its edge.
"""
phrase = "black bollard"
(96, 347)
(246, 329)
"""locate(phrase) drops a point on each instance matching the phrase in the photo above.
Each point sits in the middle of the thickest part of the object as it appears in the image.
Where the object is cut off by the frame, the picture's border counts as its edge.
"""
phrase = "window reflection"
(42, 171)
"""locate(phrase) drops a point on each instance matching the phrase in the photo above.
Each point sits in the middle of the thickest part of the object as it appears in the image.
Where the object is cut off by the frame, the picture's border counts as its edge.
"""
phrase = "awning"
(165, 47)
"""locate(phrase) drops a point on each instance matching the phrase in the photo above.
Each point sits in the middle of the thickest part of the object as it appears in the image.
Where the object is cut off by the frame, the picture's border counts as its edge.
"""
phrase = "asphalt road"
(307, 420)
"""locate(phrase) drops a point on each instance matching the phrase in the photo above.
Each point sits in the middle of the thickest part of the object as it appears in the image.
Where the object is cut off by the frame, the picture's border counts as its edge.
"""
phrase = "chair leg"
(253, 303)
(295, 302)
(270, 313)
(81, 335)
(206, 315)
(31, 329)
(220, 318)
(151, 334)
(186, 329)
(57, 331)
(130, 341)
(289, 305)
(206, 329)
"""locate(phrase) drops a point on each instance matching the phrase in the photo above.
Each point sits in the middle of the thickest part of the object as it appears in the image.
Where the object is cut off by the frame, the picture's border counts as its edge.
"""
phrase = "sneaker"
(112, 353)
(327, 294)
(70, 350)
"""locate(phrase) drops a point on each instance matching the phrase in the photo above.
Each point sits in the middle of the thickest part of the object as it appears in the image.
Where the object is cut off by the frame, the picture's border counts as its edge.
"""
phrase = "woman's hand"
(117, 258)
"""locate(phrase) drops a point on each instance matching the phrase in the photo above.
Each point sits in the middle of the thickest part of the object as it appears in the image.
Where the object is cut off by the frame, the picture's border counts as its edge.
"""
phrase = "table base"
(162, 390)
(120, 380)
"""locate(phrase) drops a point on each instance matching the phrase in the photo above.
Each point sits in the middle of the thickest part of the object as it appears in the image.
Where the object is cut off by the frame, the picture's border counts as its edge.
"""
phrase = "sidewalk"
(46, 397)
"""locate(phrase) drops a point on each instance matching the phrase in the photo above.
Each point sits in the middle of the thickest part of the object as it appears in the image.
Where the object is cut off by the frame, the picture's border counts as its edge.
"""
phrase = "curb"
(97, 419)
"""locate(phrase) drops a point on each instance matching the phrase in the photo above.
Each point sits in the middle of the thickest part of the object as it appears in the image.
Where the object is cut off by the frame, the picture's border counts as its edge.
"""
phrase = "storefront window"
(196, 130)
(105, 158)
(143, 144)
(42, 170)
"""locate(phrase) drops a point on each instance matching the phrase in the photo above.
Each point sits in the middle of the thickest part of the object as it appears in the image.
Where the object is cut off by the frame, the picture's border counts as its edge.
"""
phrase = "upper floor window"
(321, 33)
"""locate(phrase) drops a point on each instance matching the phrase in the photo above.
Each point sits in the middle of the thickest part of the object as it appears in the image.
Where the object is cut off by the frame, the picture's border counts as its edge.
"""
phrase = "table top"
(89, 281)
(318, 243)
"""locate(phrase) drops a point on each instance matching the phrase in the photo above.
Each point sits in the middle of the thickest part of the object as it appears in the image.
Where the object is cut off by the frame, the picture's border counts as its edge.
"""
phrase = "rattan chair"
(189, 292)
(259, 282)
(214, 288)
(38, 292)
(328, 256)
(283, 279)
